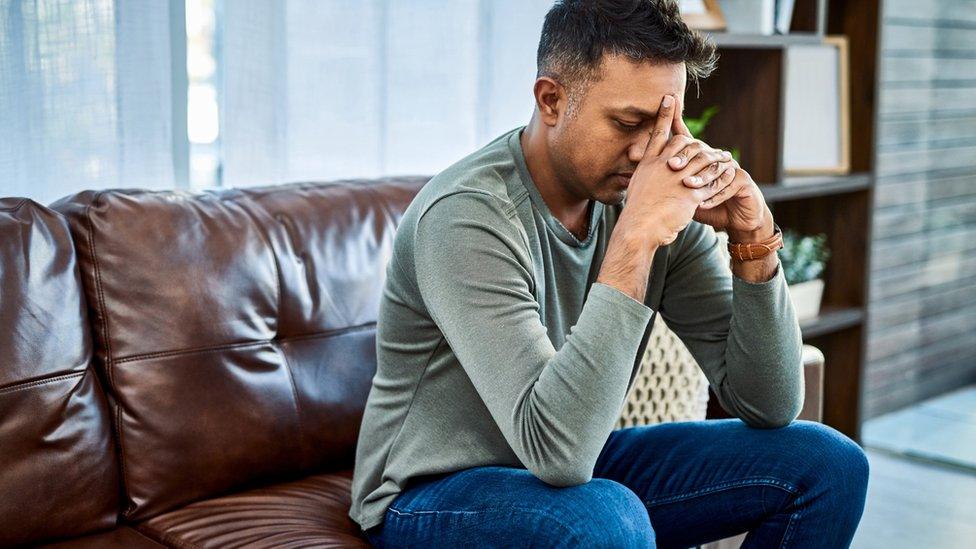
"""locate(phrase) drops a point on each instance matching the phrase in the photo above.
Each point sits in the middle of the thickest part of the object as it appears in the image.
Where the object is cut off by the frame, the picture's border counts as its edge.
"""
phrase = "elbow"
(776, 419)
(563, 476)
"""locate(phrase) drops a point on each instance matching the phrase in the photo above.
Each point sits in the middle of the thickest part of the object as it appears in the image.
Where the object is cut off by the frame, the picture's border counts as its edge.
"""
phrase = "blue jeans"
(668, 485)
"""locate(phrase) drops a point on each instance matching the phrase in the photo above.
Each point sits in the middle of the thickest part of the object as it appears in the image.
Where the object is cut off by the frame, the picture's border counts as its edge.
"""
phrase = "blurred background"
(857, 117)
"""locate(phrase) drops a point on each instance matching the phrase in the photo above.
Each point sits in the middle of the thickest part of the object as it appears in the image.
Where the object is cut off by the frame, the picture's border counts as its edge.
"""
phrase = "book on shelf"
(784, 15)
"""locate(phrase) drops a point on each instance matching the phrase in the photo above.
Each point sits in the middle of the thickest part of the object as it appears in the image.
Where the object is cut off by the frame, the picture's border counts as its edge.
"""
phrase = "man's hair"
(577, 33)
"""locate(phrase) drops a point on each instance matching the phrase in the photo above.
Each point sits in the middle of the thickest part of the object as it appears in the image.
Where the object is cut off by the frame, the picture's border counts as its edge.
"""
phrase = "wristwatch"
(745, 251)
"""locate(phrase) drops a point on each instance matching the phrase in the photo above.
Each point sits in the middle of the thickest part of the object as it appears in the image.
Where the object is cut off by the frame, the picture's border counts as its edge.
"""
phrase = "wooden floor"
(917, 504)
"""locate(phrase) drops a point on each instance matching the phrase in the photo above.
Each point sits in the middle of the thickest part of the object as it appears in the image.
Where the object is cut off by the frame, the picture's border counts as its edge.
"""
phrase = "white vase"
(806, 298)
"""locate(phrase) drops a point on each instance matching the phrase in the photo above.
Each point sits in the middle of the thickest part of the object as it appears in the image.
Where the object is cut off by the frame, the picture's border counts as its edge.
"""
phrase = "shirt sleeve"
(556, 409)
(745, 336)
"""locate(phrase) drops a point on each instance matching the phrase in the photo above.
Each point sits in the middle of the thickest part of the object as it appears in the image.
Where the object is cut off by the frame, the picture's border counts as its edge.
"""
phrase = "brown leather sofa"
(189, 370)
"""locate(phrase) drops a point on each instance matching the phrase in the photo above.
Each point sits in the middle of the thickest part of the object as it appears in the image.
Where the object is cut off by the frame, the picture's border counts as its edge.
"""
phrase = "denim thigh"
(499, 506)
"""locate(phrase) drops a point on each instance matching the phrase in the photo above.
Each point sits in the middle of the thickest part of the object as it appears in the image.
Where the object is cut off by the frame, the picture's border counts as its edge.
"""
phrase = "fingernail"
(677, 160)
(668, 100)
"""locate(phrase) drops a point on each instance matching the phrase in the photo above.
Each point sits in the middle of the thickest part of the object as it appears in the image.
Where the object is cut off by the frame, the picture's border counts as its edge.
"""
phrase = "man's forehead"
(638, 88)
(638, 111)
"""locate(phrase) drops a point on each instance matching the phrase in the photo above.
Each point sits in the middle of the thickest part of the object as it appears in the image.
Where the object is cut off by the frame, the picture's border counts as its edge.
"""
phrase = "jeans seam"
(789, 529)
(534, 510)
(725, 486)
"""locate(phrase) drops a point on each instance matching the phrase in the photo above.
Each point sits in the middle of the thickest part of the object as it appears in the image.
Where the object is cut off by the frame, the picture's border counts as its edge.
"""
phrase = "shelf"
(831, 320)
(794, 187)
(763, 41)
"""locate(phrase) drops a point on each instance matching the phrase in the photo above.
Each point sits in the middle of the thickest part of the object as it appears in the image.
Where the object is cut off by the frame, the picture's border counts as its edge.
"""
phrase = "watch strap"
(746, 251)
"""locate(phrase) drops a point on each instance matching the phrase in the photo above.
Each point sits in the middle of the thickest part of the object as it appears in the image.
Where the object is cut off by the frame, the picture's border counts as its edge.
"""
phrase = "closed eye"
(626, 125)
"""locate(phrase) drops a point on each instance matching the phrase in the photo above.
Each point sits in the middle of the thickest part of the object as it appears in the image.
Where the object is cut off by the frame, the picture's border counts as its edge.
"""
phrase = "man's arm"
(744, 335)
(554, 408)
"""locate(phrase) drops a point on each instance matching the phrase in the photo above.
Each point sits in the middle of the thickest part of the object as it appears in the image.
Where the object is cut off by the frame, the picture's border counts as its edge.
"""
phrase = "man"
(522, 286)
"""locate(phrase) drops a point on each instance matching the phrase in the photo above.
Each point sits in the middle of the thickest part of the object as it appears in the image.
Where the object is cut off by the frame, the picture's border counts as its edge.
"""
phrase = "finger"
(707, 174)
(659, 137)
(703, 160)
(721, 195)
(678, 127)
(680, 158)
(708, 189)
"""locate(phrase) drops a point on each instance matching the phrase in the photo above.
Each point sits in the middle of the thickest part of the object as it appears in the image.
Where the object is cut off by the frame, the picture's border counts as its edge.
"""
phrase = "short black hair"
(577, 33)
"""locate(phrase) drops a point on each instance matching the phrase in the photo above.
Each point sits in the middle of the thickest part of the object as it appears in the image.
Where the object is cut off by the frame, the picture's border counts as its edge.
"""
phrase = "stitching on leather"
(15, 207)
(109, 372)
(245, 344)
(725, 486)
(294, 393)
(274, 258)
(29, 384)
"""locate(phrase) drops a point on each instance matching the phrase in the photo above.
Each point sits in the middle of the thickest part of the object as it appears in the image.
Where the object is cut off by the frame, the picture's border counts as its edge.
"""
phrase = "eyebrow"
(638, 111)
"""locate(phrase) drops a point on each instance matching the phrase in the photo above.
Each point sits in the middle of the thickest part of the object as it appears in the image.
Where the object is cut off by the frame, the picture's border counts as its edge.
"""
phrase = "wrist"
(639, 231)
(756, 235)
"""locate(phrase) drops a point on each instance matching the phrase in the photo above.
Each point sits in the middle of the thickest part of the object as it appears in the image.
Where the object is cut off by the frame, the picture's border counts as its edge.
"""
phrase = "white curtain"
(85, 96)
(328, 89)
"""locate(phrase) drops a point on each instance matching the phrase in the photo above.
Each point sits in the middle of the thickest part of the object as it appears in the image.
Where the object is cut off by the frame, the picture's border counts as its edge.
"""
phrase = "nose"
(636, 150)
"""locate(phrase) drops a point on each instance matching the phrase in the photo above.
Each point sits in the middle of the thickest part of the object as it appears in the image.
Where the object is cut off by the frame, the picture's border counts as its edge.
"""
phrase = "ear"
(550, 99)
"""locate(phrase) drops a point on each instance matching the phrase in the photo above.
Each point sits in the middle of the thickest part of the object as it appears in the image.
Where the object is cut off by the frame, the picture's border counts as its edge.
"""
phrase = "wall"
(922, 311)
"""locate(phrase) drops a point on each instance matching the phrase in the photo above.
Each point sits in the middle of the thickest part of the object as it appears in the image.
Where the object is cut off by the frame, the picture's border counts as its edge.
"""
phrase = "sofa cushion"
(57, 461)
(311, 512)
(122, 537)
(236, 327)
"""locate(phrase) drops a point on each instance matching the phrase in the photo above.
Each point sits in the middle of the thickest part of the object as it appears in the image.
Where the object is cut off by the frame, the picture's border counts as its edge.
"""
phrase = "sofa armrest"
(813, 378)
(813, 375)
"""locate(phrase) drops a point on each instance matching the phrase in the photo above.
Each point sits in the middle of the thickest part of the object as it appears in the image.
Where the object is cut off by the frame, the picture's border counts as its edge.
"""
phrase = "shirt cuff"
(614, 296)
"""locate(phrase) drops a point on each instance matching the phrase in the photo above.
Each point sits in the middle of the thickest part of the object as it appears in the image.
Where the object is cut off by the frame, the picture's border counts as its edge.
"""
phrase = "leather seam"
(294, 393)
(15, 207)
(37, 382)
(244, 344)
(109, 373)
(274, 259)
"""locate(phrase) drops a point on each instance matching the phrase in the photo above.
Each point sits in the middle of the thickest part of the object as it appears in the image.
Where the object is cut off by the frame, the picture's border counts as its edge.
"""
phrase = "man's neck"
(568, 208)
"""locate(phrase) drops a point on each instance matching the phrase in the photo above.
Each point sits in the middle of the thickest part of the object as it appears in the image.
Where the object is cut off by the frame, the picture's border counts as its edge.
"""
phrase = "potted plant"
(697, 125)
(803, 259)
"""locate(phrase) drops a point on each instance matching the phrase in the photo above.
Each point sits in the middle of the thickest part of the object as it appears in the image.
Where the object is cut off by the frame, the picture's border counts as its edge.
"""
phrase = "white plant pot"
(806, 298)
(749, 16)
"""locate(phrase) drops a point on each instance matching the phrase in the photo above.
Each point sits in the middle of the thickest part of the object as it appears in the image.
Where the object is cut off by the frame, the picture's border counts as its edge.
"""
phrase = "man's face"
(608, 131)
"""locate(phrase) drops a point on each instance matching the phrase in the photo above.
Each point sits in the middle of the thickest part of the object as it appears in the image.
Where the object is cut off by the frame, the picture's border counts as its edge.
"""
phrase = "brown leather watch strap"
(746, 251)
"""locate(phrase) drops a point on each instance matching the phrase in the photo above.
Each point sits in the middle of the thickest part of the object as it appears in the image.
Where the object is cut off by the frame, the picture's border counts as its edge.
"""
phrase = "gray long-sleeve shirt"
(495, 345)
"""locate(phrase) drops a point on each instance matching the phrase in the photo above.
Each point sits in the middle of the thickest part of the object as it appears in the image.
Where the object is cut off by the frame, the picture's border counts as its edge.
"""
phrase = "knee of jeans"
(839, 458)
(611, 515)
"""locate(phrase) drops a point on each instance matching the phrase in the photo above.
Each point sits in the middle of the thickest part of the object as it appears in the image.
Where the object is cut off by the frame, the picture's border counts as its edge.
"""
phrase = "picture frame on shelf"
(749, 16)
(702, 14)
(816, 137)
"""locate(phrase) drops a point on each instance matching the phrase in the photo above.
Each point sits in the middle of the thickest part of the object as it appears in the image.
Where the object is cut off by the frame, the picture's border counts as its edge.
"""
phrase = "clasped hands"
(737, 205)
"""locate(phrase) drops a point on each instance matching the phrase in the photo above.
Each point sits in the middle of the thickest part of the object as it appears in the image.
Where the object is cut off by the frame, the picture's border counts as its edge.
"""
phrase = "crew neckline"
(561, 232)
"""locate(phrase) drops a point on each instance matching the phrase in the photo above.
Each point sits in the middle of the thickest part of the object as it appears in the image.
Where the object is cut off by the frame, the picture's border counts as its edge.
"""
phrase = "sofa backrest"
(58, 468)
(235, 328)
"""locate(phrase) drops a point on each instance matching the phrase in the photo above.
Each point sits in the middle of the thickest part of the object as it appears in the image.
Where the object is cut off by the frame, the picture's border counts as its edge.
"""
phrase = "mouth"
(623, 178)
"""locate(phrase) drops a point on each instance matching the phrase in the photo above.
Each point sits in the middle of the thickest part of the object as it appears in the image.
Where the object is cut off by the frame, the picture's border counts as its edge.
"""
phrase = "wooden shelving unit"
(748, 87)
